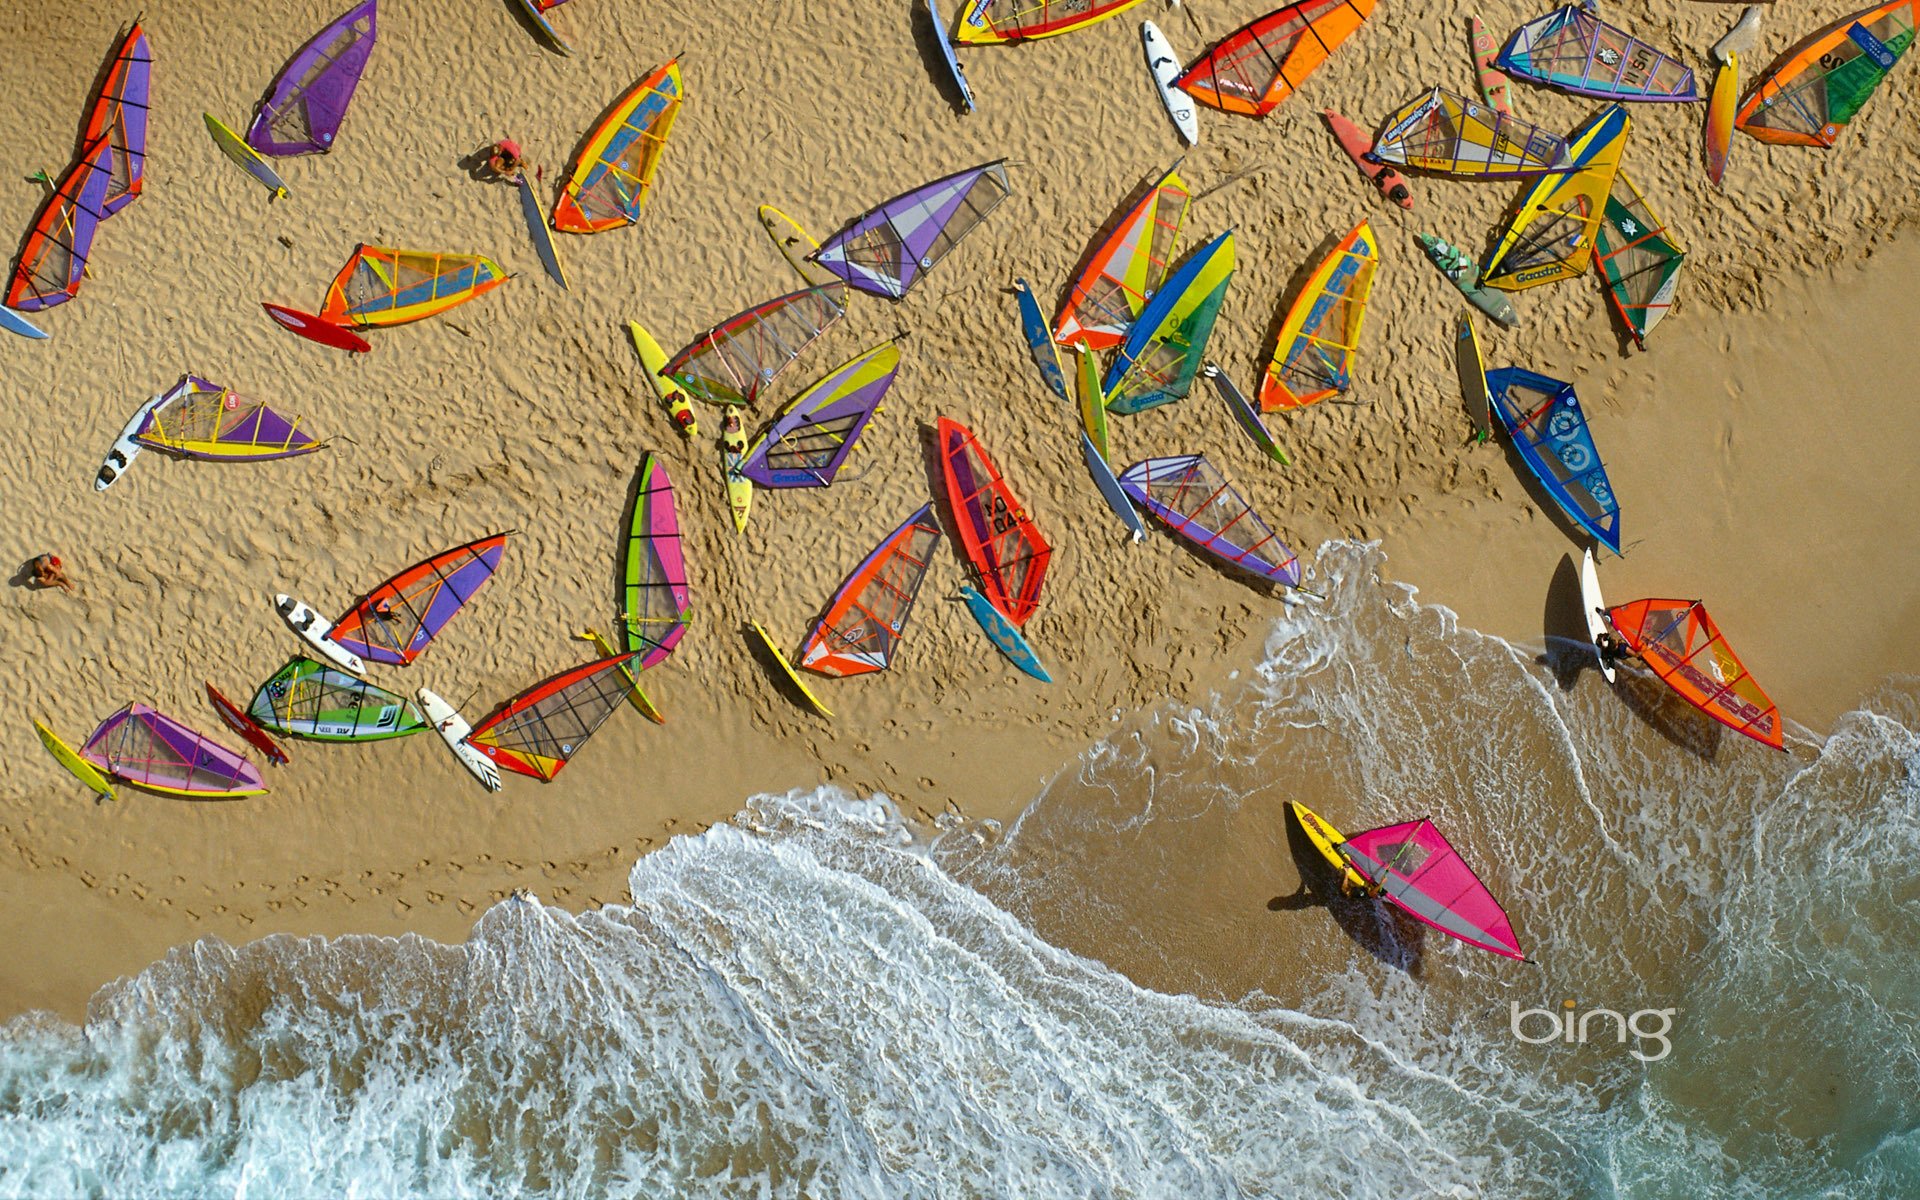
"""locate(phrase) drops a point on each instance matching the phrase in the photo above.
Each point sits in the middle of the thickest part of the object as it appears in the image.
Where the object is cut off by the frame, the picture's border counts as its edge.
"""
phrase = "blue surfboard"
(1046, 355)
(946, 52)
(1004, 634)
(540, 19)
(1110, 489)
(20, 325)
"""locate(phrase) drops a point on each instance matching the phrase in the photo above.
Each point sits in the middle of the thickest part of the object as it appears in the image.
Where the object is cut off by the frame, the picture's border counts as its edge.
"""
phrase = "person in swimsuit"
(505, 161)
(47, 573)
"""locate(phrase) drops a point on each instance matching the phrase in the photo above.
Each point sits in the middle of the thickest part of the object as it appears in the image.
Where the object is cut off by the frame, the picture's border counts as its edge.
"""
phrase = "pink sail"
(1416, 868)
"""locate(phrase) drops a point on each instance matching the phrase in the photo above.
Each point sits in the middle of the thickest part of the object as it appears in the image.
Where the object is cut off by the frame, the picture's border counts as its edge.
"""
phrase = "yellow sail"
(1552, 235)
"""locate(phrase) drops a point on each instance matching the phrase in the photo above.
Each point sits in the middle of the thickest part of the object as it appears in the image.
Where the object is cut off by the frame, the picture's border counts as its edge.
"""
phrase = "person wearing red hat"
(47, 573)
(506, 161)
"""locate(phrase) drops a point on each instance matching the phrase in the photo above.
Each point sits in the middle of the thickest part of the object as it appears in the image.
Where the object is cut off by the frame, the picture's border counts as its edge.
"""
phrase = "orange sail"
(1684, 647)
(1256, 67)
(1000, 537)
(864, 621)
(1125, 269)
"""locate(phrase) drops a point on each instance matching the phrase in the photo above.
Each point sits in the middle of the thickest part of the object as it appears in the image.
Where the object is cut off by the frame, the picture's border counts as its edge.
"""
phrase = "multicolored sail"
(381, 286)
(654, 596)
(1196, 501)
(119, 116)
(810, 440)
(1015, 20)
(1124, 271)
(53, 263)
(1551, 235)
(539, 731)
(149, 749)
(401, 617)
(1549, 429)
(615, 169)
(199, 419)
(731, 362)
(1575, 51)
(886, 250)
(1313, 358)
(1257, 66)
(1683, 646)
(309, 98)
(1425, 877)
(1001, 540)
(866, 618)
(1452, 135)
(1640, 259)
(1824, 81)
(306, 699)
(1162, 353)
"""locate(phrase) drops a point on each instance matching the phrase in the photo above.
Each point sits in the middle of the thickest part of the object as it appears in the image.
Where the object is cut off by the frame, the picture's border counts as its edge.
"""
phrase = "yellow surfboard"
(636, 696)
(65, 755)
(786, 666)
(652, 360)
(794, 244)
(1326, 839)
(245, 157)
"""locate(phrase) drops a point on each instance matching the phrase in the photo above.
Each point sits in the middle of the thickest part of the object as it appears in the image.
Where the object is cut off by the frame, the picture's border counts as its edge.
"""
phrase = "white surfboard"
(125, 449)
(1595, 607)
(454, 730)
(1165, 66)
(313, 629)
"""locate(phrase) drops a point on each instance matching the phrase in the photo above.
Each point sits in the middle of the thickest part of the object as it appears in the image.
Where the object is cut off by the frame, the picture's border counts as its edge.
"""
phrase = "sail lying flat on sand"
(1452, 135)
(654, 596)
(1163, 350)
(1551, 236)
(1000, 537)
(1640, 259)
(1124, 271)
(1684, 647)
(1574, 50)
(149, 749)
(1313, 357)
(401, 617)
(1017, 20)
(309, 98)
(1828, 78)
(53, 263)
(886, 250)
(810, 440)
(1195, 500)
(1416, 868)
(731, 362)
(539, 731)
(1549, 429)
(615, 169)
(382, 286)
(863, 624)
(307, 699)
(1257, 66)
(200, 419)
(119, 116)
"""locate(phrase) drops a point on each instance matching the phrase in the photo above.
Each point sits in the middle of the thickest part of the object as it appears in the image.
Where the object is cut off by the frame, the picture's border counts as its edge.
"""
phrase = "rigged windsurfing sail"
(149, 749)
(539, 731)
(1162, 352)
(1827, 79)
(1640, 259)
(810, 440)
(402, 616)
(1452, 135)
(306, 699)
(1257, 66)
(1014, 20)
(1425, 877)
(53, 263)
(1125, 269)
(1574, 50)
(1000, 537)
(1548, 426)
(654, 596)
(614, 170)
(308, 99)
(1683, 646)
(731, 362)
(381, 286)
(886, 250)
(199, 419)
(1551, 235)
(1313, 358)
(1195, 500)
(863, 624)
(119, 117)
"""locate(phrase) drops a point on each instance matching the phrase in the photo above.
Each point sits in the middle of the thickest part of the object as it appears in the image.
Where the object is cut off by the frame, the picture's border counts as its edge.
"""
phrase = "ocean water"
(1119, 994)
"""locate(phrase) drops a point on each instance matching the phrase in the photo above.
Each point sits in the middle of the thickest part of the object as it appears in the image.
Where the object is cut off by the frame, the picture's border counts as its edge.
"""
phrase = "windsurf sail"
(1452, 135)
(53, 263)
(614, 171)
(119, 116)
(1257, 66)
(1640, 259)
(1551, 235)
(200, 419)
(307, 699)
(308, 99)
(1575, 51)
(152, 750)
(1125, 269)
(1823, 82)
(1548, 426)
(1157, 362)
(731, 362)
(381, 286)
(402, 616)
(1000, 537)
(865, 620)
(1683, 646)
(1422, 874)
(1013, 20)
(1313, 358)
(810, 440)
(539, 731)
(886, 250)
(654, 597)
(1195, 500)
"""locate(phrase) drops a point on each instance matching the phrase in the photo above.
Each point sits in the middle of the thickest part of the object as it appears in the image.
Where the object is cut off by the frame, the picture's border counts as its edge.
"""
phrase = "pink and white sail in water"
(1419, 871)
(149, 749)
(886, 250)
(309, 98)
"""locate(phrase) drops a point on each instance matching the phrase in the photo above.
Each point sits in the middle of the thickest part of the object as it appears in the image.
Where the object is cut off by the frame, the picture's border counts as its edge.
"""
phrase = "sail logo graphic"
(1563, 1027)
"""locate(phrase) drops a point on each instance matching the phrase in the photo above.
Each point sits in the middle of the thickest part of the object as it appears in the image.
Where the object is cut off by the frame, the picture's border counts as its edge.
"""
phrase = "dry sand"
(1760, 447)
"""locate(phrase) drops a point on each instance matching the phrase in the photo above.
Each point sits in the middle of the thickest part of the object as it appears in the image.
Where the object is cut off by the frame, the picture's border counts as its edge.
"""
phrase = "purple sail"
(154, 751)
(308, 101)
(885, 251)
(808, 443)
